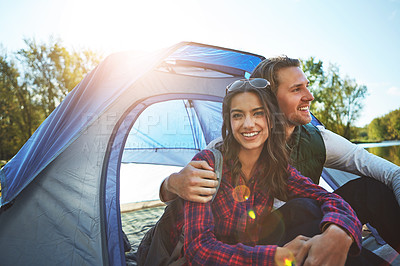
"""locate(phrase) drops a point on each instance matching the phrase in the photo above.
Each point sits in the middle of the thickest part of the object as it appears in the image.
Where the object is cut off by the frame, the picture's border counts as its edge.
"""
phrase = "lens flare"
(252, 214)
(286, 261)
(241, 193)
(272, 226)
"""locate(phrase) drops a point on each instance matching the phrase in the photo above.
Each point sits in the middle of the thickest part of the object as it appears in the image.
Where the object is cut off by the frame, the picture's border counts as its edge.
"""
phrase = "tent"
(60, 193)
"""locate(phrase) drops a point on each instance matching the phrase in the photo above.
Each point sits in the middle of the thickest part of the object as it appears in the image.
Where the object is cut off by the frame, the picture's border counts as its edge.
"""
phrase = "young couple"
(257, 143)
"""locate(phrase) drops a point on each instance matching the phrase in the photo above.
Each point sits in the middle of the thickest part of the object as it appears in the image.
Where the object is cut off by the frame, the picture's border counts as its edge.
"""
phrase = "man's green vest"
(308, 151)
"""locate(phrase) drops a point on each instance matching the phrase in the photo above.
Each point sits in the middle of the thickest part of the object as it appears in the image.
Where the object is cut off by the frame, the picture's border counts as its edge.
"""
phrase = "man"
(312, 148)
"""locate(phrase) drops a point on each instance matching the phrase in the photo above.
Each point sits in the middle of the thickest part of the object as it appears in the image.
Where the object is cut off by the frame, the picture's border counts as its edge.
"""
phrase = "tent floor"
(135, 224)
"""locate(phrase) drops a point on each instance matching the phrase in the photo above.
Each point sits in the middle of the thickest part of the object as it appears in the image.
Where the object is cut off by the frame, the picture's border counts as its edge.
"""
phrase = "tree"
(51, 71)
(394, 124)
(32, 87)
(386, 127)
(19, 115)
(314, 72)
(338, 101)
(376, 130)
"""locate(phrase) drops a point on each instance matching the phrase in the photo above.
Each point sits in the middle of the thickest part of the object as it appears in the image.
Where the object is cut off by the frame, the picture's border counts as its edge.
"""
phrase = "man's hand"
(195, 182)
(329, 248)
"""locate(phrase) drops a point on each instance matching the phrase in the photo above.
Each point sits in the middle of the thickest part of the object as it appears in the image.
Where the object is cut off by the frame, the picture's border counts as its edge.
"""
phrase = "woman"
(255, 171)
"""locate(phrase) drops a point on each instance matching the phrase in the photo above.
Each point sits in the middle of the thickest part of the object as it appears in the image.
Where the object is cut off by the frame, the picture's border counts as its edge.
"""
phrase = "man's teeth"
(250, 134)
(305, 108)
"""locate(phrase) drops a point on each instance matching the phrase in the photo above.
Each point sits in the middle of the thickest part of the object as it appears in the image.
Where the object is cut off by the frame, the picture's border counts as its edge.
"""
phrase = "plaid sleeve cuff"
(355, 248)
(326, 225)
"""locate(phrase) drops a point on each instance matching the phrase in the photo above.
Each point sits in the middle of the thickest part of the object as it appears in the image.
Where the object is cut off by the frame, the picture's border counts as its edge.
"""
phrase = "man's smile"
(304, 108)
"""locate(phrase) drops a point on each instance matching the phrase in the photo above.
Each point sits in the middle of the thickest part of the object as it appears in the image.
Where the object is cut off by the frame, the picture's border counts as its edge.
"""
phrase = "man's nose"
(308, 96)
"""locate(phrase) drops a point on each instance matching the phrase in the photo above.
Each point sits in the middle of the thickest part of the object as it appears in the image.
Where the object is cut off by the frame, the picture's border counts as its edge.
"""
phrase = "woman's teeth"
(252, 134)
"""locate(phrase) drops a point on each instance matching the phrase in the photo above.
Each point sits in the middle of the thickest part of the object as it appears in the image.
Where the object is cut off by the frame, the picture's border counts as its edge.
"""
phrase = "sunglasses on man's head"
(257, 83)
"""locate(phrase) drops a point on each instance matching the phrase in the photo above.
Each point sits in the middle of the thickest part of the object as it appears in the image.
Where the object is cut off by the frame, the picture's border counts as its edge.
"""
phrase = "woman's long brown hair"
(274, 158)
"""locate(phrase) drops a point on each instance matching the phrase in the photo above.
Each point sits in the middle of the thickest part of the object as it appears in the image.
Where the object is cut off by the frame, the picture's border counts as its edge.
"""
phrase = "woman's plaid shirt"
(218, 233)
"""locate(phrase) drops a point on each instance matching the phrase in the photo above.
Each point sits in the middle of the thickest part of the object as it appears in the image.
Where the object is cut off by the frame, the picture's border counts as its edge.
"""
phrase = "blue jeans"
(302, 216)
(374, 203)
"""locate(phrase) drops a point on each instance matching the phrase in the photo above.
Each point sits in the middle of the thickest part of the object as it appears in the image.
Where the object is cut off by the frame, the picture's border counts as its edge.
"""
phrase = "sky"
(362, 37)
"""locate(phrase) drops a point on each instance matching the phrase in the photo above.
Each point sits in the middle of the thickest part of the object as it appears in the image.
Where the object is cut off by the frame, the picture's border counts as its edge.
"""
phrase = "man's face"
(293, 95)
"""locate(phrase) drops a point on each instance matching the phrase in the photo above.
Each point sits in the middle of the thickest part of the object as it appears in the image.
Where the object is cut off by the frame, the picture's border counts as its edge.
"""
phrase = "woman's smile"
(248, 121)
(250, 134)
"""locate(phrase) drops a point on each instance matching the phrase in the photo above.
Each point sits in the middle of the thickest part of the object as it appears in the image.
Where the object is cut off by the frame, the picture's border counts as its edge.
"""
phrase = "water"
(389, 150)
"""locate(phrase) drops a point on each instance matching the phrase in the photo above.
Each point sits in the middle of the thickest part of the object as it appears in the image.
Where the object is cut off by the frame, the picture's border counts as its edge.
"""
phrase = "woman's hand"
(329, 248)
(293, 252)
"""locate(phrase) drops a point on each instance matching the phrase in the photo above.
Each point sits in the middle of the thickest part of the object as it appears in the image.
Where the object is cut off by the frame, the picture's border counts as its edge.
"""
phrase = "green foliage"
(32, 87)
(360, 134)
(52, 71)
(338, 100)
(19, 115)
(394, 124)
(386, 127)
(314, 72)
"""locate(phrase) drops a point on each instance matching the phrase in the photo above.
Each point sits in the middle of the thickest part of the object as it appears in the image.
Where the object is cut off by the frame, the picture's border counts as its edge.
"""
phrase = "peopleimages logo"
(152, 130)
(170, 123)
(102, 127)
(166, 123)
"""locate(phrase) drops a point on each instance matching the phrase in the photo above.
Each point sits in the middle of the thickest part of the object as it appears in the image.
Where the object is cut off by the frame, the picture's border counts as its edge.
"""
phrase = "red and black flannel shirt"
(226, 219)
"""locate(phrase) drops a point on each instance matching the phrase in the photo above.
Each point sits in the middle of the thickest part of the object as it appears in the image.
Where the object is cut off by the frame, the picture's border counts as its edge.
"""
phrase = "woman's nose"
(248, 122)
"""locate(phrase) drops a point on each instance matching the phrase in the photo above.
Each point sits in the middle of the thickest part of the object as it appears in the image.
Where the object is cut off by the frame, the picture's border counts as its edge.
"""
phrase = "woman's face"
(248, 121)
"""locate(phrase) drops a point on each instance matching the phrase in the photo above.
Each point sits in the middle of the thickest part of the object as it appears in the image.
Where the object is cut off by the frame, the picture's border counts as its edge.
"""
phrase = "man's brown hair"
(268, 69)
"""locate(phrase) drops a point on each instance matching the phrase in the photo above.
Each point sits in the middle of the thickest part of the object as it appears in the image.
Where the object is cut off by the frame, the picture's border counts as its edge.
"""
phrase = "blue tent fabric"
(154, 130)
(325, 174)
(45, 144)
(134, 151)
(210, 117)
(216, 56)
(124, 79)
(81, 107)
